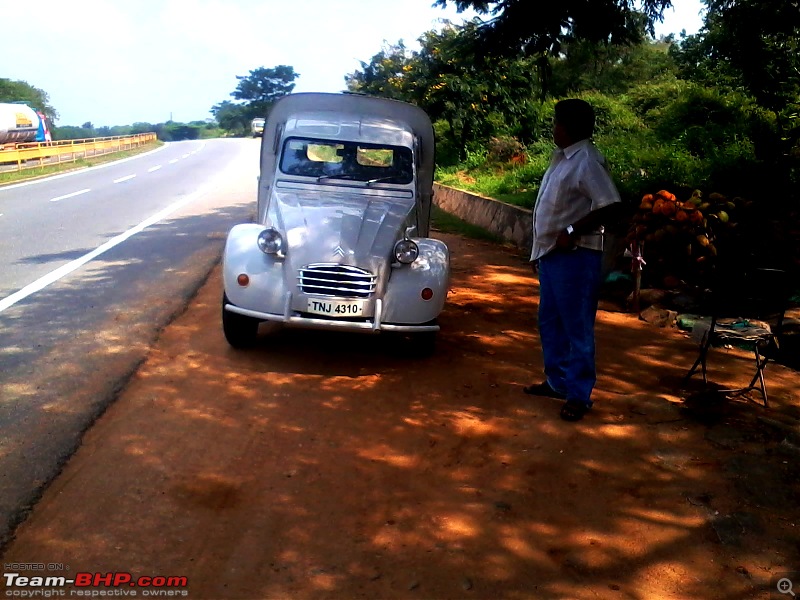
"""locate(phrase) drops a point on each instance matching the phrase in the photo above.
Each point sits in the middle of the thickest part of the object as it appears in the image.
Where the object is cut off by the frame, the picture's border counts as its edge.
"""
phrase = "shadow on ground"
(323, 465)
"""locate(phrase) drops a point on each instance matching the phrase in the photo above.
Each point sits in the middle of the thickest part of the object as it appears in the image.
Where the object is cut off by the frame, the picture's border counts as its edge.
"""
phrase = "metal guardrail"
(39, 154)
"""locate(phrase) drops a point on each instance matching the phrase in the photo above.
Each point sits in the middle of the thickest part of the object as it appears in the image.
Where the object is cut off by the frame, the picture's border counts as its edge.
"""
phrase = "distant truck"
(257, 126)
(19, 123)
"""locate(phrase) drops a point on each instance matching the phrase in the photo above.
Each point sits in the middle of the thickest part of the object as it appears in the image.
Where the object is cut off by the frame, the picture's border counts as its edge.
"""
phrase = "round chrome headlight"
(270, 241)
(406, 251)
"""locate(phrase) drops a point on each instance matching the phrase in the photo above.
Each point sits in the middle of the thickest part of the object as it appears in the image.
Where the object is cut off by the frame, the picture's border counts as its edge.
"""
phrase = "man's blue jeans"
(569, 281)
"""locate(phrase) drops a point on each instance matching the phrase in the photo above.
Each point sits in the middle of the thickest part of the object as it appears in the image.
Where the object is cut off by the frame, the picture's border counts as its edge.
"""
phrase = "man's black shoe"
(543, 389)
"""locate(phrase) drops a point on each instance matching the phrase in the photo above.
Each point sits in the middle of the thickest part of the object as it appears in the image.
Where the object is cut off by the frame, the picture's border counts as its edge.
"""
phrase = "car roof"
(377, 118)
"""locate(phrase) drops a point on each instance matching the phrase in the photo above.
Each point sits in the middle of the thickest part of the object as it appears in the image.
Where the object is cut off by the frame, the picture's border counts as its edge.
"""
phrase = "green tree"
(70, 132)
(761, 42)
(175, 132)
(610, 68)
(384, 75)
(478, 96)
(473, 94)
(21, 91)
(747, 45)
(542, 27)
(262, 87)
(143, 127)
(120, 130)
(231, 117)
(753, 47)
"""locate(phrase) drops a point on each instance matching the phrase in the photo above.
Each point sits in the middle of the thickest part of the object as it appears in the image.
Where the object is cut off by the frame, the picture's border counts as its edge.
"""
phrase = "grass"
(81, 163)
(508, 183)
(446, 223)
(523, 198)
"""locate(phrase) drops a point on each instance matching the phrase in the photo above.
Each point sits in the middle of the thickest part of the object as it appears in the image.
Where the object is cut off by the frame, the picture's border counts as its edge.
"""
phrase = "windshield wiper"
(379, 179)
(342, 176)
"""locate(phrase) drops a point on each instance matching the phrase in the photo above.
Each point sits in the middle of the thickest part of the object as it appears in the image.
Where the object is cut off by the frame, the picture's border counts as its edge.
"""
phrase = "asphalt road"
(94, 263)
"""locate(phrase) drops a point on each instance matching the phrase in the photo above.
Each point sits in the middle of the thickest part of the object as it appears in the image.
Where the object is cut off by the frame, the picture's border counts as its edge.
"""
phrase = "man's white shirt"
(575, 184)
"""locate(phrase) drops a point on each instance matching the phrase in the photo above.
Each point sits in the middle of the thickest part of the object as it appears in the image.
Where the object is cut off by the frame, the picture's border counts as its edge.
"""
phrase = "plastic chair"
(747, 311)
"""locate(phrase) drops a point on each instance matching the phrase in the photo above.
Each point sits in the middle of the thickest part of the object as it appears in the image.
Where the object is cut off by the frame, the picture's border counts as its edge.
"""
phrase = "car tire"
(239, 330)
(424, 344)
(414, 345)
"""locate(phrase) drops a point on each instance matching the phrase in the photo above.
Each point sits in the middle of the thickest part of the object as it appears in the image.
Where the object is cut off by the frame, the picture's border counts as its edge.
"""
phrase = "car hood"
(355, 229)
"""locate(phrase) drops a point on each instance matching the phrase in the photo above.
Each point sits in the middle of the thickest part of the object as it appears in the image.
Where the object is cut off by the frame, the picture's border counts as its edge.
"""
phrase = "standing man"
(576, 198)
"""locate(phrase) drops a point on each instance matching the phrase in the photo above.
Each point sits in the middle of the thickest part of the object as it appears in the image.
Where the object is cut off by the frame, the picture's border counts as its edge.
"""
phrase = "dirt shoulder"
(322, 465)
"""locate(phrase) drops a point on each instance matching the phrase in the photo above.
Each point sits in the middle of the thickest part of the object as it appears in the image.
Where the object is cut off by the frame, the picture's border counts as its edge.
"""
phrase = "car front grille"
(327, 279)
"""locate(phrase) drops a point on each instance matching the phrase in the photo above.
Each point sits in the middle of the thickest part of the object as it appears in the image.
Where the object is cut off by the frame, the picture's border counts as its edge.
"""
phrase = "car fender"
(265, 291)
(402, 302)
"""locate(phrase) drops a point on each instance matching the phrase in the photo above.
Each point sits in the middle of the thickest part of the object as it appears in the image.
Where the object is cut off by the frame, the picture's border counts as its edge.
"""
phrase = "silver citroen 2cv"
(343, 215)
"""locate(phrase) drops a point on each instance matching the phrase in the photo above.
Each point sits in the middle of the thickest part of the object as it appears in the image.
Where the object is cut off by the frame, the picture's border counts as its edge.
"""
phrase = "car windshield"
(347, 160)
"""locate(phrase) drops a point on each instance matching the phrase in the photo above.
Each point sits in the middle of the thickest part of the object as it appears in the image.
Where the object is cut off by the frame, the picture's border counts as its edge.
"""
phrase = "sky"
(117, 62)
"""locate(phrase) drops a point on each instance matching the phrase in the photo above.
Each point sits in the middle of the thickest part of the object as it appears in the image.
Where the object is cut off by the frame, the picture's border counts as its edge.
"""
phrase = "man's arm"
(605, 215)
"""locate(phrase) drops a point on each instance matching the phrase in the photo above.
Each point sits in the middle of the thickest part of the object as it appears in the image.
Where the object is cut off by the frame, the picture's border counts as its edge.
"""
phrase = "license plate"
(336, 308)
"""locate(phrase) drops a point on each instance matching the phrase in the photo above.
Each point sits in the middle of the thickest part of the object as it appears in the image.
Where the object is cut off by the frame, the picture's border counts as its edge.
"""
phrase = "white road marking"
(156, 168)
(68, 268)
(185, 156)
(173, 161)
(79, 171)
(72, 195)
(121, 179)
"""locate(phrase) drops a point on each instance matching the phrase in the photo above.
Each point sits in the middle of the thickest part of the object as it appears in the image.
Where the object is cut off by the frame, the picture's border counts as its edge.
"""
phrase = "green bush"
(612, 115)
(647, 100)
(446, 151)
(642, 163)
(733, 139)
(535, 123)
(476, 157)
(668, 135)
(504, 148)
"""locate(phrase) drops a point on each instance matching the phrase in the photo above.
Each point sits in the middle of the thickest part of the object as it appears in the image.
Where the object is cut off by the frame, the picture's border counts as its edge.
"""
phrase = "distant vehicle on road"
(343, 217)
(20, 123)
(257, 126)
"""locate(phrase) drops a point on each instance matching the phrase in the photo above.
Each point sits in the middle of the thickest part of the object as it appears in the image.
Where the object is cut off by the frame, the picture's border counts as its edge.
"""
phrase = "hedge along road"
(95, 263)
(336, 465)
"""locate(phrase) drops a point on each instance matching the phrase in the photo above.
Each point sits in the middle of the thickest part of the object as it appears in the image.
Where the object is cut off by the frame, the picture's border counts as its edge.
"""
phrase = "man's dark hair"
(577, 118)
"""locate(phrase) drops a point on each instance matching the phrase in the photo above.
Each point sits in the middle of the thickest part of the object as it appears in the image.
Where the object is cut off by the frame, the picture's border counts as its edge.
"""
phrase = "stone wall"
(510, 223)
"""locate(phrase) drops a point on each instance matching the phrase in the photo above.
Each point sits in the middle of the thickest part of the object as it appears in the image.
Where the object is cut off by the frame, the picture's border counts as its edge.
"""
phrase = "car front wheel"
(240, 331)
(425, 343)
(414, 345)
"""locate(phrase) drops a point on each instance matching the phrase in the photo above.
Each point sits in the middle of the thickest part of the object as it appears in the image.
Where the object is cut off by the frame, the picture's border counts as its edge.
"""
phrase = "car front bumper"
(293, 319)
